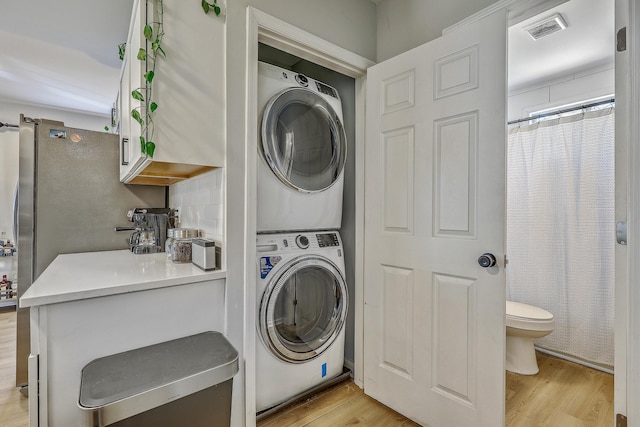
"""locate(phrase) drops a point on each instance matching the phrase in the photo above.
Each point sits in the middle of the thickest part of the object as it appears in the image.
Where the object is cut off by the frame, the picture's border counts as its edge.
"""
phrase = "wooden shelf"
(165, 174)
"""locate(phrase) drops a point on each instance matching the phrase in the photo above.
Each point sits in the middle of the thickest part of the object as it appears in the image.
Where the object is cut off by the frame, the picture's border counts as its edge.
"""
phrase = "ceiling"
(64, 53)
(587, 43)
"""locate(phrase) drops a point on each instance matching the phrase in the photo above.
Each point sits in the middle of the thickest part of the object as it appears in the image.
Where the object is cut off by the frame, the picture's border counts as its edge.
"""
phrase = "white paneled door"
(434, 203)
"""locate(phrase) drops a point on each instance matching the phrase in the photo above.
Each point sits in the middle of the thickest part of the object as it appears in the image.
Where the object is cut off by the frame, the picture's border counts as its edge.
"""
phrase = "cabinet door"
(189, 89)
(125, 119)
(133, 79)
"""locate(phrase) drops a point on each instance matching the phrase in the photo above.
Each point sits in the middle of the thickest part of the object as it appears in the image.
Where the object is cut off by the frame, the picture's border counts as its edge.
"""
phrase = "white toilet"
(525, 322)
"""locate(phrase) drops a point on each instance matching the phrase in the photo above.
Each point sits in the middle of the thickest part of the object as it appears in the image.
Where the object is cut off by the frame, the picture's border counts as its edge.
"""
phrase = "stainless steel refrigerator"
(70, 199)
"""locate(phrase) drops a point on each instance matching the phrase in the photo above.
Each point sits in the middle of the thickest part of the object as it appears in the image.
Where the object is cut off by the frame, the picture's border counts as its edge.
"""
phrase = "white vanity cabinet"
(90, 305)
(189, 89)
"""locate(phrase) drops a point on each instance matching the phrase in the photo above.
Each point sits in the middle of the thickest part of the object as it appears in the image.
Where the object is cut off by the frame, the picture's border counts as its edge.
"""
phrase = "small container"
(204, 254)
(169, 241)
(180, 247)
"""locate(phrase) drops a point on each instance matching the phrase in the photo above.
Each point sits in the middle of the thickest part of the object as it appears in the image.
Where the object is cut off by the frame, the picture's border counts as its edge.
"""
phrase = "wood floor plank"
(14, 407)
(362, 410)
(313, 407)
(562, 394)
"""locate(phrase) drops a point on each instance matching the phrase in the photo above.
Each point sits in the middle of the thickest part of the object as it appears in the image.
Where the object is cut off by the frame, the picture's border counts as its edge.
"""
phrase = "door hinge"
(506, 261)
(621, 39)
(621, 420)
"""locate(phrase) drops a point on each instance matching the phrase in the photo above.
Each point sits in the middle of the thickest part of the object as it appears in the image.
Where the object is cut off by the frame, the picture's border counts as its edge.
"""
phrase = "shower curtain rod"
(566, 110)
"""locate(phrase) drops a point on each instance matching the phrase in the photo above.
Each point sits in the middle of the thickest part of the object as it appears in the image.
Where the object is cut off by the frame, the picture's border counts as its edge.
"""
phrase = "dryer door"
(303, 140)
(303, 309)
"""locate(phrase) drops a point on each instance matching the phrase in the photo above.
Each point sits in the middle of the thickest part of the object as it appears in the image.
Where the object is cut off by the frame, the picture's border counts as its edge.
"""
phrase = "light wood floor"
(563, 394)
(14, 408)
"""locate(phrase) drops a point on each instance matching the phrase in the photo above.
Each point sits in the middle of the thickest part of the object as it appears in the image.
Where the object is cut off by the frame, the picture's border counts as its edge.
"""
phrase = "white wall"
(405, 24)
(200, 204)
(573, 88)
(10, 113)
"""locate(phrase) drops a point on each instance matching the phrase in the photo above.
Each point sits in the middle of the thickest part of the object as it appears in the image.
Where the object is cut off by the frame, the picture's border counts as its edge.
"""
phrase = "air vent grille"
(543, 28)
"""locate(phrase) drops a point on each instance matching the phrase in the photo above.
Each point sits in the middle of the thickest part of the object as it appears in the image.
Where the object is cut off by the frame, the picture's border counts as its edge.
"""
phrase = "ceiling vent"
(547, 26)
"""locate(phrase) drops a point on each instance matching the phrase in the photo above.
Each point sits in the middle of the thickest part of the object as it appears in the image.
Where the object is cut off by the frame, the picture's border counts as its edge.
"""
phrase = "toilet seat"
(528, 317)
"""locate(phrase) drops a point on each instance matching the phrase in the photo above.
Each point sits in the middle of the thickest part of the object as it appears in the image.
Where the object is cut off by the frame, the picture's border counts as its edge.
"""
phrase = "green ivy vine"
(153, 33)
(206, 6)
(122, 47)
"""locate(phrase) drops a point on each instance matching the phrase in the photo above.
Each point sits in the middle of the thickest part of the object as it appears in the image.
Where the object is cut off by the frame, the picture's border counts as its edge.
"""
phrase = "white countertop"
(85, 275)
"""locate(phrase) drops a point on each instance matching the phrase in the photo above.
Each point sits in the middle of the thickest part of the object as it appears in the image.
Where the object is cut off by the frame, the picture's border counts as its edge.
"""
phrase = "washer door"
(303, 309)
(303, 140)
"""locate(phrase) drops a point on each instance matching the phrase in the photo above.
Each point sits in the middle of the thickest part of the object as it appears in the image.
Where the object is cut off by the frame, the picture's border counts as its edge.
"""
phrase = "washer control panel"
(285, 243)
(326, 240)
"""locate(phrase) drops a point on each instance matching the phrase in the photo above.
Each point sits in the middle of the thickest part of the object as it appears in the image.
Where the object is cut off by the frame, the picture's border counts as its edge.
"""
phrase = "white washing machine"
(302, 306)
(303, 149)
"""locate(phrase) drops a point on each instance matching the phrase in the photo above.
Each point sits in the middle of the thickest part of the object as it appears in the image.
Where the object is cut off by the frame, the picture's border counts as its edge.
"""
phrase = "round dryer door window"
(303, 140)
(303, 309)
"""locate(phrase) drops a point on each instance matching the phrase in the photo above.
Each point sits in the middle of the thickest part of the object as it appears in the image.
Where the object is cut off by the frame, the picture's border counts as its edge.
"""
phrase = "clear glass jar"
(169, 241)
(180, 247)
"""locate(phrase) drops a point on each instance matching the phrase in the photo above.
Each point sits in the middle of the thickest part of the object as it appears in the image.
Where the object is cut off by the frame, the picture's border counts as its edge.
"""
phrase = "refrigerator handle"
(15, 216)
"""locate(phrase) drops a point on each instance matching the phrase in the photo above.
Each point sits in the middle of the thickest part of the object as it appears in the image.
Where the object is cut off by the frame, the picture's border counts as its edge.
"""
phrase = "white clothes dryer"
(301, 310)
(303, 150)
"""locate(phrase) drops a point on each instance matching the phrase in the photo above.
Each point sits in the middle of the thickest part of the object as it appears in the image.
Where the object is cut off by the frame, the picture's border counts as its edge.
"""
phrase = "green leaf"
(151, 147)
(143, 146)
(142, 54)
(106, 128)
(155, 45)
(148, 76)
(153, 107)
(205, 6)
(136, 94)
(136, 116)
(217, 9)
(121, 50)
(148, 32)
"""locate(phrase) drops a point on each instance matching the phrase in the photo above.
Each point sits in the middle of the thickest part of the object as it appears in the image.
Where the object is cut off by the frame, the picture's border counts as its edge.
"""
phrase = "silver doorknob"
(487, 260)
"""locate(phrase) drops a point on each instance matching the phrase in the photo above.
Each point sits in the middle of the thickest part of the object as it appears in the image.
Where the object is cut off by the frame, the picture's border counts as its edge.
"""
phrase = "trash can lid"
(150, 376)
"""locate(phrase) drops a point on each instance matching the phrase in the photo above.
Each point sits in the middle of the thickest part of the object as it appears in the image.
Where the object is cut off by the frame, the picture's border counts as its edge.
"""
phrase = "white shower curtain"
(560, 229)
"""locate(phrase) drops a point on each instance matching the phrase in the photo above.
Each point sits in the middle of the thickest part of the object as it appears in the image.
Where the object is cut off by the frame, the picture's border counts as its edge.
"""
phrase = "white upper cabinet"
(188, 126)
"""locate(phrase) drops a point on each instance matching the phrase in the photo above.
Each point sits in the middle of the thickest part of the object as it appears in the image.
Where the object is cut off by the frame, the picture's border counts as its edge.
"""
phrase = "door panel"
(434, 202)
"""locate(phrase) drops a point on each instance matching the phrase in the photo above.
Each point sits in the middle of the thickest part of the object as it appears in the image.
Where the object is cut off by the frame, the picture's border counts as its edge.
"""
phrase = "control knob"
(302, 241)
(302, 80)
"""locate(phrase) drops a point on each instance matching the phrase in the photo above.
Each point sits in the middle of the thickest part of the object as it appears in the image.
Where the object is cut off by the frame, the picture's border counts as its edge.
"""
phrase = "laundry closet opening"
(345, 86)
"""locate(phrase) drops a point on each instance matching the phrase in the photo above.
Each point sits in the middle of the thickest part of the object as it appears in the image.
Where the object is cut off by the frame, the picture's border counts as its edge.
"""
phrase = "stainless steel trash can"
(183, 382)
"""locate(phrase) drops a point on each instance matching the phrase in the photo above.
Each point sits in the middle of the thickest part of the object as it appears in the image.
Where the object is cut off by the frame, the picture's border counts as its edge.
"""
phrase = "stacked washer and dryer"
(302, 296)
